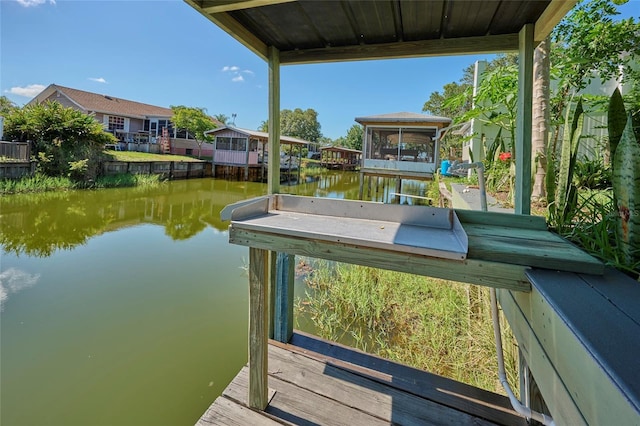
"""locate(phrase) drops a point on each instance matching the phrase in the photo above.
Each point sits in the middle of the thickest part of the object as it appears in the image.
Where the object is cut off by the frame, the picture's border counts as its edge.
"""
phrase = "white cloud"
(235, 73)
(98, 80)
(13, 280)
(30, 3)
(29, 91)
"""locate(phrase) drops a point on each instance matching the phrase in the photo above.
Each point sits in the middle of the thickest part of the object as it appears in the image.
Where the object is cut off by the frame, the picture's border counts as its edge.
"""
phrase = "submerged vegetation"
(440, 326)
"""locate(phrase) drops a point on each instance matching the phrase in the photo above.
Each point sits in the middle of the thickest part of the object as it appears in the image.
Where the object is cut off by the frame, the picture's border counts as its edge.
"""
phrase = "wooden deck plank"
(300, 406)
(356, 391)
(463, 397)
(227, 412)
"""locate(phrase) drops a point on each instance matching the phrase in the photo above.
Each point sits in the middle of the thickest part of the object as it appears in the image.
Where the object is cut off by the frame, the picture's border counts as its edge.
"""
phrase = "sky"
(165, 53)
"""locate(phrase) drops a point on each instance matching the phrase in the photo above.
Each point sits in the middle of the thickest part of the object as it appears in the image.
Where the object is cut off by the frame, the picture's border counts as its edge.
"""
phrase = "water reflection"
(39, 224)
(13, 280)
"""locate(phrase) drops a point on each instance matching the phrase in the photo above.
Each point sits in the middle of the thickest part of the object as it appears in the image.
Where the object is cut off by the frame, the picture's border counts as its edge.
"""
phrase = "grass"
(144, 156)
(43, 183)
(435, 325)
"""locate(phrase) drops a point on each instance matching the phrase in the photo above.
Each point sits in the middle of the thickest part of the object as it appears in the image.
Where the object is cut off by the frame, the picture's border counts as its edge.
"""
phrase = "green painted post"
(283, 312)
(524, 121)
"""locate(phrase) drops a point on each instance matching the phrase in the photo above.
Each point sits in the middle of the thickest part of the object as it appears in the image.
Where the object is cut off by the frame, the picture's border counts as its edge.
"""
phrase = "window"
(231, 144)
(116, 123)
(189, 151)
(405, 144)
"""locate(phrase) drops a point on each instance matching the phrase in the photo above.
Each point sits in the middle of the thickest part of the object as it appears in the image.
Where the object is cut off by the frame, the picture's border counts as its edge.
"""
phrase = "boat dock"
(316, 382)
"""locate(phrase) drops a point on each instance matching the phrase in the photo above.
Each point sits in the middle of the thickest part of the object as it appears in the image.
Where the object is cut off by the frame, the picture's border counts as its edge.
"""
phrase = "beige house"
(138, 126)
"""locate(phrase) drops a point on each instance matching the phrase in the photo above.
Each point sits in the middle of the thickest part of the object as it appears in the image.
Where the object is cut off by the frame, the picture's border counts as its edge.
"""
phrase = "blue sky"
(165, 53)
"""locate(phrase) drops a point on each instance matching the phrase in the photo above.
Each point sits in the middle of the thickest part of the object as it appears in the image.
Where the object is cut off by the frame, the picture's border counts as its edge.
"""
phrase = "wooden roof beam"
(234, 29)
(230, 5)
(553, 14)
(439, 47)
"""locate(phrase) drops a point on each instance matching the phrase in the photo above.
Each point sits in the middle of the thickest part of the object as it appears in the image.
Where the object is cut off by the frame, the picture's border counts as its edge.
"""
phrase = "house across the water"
(244, 154)
(340, 158)
(138, 126)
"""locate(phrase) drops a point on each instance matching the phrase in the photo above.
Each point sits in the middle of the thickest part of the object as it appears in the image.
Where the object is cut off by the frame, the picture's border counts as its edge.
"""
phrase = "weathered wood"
(300, 406)
(405, 49)
(505, 220)
(592, 343)
(229, 413)
(487, 273)
(258, 328)
(523, 121)
(273, 169)
(283, 313)
(361, 393)
(564, 409)
(229, 5)
(462, 397)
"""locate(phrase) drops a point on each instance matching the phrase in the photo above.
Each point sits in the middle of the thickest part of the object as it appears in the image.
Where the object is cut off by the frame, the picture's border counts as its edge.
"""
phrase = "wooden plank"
(553, 14)
(406, 49)
(549, 251)
(620, 290)
(230, 413)
(229, 5)
(297, 405)
(524, 121)
(505, 220)
(591, 343)
(481, 272)
(560, 402)
(234, 29)
(463, 397)
(258, 328)
(283, 313)
(273, 168)
(360, 393)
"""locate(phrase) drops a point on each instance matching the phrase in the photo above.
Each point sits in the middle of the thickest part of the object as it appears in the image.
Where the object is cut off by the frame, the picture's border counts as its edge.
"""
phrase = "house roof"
(263, 136)
(105, 104)
(339, 149)
(404, 118)
(340, 30)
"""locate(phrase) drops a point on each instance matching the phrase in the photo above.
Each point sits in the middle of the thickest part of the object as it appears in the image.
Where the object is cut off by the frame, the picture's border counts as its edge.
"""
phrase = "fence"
(15, 150)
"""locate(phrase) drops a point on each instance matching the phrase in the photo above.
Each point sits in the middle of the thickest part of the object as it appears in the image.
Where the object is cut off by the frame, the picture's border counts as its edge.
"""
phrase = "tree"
(65, 141)
(436, 104)
(298, 124)
(6, 106)
(221, 118)
(540, 119)
(195, 121)
(354, 137)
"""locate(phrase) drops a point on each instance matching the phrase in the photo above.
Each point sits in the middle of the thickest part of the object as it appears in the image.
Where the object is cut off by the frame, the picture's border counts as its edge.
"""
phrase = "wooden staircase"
(165, 141)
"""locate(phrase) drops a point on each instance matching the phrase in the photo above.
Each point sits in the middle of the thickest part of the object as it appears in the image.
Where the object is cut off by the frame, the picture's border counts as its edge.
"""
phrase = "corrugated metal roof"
(306, 31)
(403, 117)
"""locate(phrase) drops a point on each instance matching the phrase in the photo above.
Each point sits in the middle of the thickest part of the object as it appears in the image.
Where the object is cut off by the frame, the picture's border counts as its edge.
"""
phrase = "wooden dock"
(315, 382)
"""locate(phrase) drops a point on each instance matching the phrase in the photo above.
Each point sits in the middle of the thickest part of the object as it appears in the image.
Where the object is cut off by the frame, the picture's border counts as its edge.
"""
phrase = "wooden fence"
(15, 150)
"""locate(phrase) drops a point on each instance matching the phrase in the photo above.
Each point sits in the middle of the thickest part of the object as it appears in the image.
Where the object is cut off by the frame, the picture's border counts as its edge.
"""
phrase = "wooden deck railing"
(15, 150)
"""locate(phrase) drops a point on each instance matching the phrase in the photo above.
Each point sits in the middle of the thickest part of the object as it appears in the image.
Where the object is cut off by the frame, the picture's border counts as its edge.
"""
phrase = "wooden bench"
(580, 336)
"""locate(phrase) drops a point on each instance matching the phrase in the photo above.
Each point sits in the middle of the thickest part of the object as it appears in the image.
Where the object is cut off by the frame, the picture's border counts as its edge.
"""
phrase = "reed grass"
(435, 325)
(36, 183)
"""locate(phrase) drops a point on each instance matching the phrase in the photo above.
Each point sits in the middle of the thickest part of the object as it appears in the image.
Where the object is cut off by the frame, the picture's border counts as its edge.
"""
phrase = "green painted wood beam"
(273, 175)
(524, 121)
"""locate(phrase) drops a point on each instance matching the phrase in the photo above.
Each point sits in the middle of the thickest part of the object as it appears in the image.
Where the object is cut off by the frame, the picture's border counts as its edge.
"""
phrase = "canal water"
(127, 306)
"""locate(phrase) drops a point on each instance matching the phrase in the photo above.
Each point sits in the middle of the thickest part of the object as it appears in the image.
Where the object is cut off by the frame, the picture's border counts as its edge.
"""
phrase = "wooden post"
(524, 122)
(273, 175)
(258, 323)
(283, 312)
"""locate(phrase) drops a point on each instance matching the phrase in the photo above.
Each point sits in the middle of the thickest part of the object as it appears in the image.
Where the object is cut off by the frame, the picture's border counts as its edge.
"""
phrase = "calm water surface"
(126, 306)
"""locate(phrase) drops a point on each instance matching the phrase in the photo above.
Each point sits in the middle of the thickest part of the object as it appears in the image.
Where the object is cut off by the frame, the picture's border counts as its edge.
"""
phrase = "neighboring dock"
(317, 382)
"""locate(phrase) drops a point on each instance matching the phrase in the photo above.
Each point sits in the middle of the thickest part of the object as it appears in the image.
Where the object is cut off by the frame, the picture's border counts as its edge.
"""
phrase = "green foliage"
(298, 124)
(588, 42)
(65, 141)
(562, 209)
(626, 189)
(6, 106)
(195, 121)
(353, 139)
(415, 320)
(616, 120)
(592, 174)
(36, 183)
